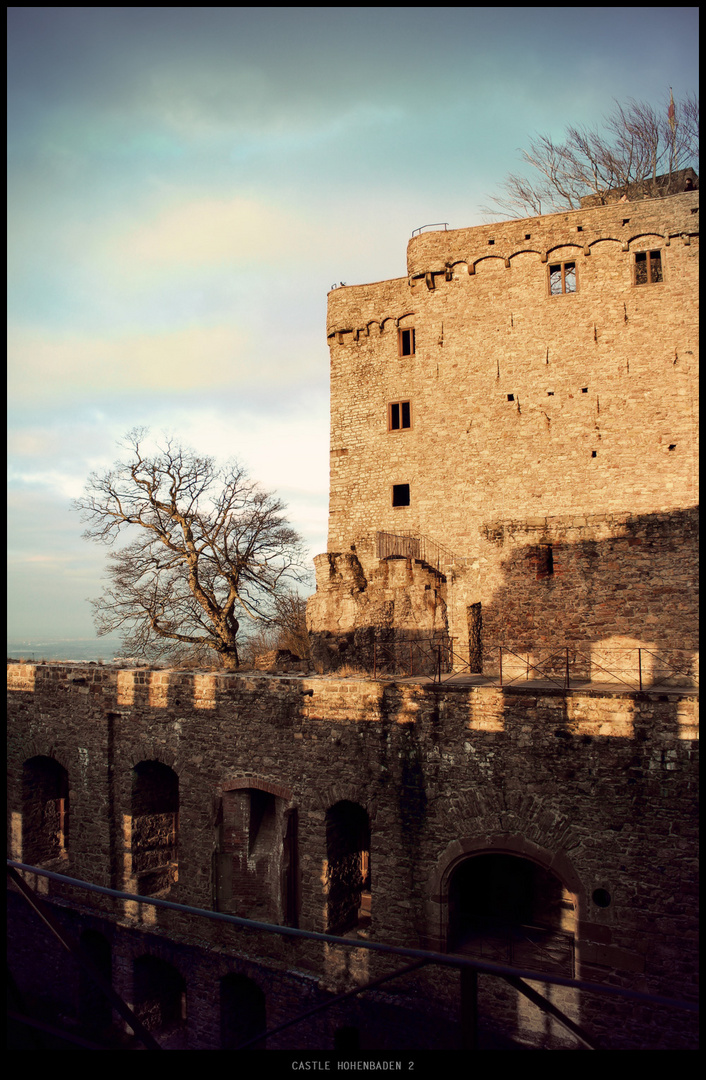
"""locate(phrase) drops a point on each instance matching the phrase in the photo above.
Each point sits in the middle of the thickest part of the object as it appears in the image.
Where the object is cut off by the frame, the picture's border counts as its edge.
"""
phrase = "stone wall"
(546, 419)
(595, 789)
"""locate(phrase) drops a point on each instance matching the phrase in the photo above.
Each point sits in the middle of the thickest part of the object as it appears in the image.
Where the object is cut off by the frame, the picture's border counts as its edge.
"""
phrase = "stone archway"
(447, 887)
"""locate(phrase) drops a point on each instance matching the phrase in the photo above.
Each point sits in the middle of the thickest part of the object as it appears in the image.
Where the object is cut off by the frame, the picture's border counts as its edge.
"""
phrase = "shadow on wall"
(541, 591)
(604, 599)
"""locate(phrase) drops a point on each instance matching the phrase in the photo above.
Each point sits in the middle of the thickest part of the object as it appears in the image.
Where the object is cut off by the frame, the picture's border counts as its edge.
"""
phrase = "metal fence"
(413, 546)
(406, 654)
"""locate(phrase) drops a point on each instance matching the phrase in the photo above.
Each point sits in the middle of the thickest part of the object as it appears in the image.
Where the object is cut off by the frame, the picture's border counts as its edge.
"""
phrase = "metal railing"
(404, 654)
(468, 967)
(569, 666)
(413, 656)
(434, 225)
(413, 546)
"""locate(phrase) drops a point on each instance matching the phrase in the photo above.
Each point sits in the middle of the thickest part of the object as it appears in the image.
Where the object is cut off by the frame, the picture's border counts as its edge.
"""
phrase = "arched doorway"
(511, 910)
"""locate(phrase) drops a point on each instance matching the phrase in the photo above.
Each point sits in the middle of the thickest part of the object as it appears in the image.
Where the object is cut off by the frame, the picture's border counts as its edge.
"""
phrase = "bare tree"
(286, 630)
(211, 547)
(634, 144)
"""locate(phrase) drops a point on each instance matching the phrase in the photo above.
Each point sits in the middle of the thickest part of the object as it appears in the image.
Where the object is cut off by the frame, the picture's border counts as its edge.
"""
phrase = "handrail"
(444, 959)
(434, 225)
(439, 648)
(414, 546)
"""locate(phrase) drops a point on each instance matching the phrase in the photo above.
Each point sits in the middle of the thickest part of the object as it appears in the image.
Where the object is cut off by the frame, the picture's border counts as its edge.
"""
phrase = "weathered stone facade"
(595, 791)
(513, 489)
(536, 422)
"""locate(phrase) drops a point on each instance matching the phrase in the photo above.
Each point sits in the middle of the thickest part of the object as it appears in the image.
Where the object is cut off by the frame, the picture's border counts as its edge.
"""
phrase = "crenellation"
(497, 755)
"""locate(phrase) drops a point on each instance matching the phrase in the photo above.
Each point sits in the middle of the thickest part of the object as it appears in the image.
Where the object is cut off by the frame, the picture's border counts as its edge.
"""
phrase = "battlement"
(625, 223)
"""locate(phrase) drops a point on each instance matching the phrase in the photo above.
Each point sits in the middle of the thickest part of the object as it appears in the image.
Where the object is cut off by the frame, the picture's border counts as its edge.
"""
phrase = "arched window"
(510, 910)
(45, 810)
(348, 867)
(155, 824)
(160, 1000)
(242, 1012)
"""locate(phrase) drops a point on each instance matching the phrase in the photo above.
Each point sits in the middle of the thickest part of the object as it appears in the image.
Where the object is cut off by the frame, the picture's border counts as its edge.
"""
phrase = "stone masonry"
(535, 421)
(513, 492)
(596, 789)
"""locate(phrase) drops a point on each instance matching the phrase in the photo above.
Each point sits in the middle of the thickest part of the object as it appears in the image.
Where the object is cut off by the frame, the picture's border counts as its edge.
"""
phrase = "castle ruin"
(496, 763)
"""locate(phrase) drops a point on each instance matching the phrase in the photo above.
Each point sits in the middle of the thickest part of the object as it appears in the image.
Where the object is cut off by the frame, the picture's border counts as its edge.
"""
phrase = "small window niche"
(562, 278)
(406, 341)
(648, 267)
(399, 416)
(545, 562)
(400, 494)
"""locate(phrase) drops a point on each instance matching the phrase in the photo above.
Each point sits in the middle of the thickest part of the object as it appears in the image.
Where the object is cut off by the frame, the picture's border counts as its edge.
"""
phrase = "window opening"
(155, 823)
(399, 416)
(672, 446)
(243, 1013)
(400, 494)
(94, 1008)
(45, 810)
(648, 267)
(347, 867)
(584, 389)
(160, 1000)
(510, 397)
(550, 393)
(406, 342)
(545, 562)
(594, 453)
(562, 278)
(255, 866)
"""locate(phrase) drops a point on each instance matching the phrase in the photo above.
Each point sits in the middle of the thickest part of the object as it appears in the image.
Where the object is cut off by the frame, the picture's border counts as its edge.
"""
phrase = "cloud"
(70, 365)
(212, 230)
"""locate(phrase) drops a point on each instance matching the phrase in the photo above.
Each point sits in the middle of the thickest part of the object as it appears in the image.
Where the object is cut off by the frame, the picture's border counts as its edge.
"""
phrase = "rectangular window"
(399, 416)
(400, 494)
(562, 278)
(406, 342)
(648, 267)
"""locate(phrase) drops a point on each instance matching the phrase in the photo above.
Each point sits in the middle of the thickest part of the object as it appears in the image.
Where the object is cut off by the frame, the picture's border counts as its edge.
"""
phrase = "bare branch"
(634, 144)
(206, 542)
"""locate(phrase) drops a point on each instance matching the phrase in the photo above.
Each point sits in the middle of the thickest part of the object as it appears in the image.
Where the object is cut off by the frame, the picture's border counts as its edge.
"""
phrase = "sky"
(186, 185)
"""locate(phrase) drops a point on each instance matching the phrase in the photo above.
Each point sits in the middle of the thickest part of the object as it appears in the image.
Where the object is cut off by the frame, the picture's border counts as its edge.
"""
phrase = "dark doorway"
(511, 911)
(475, 639)
(242, 1012)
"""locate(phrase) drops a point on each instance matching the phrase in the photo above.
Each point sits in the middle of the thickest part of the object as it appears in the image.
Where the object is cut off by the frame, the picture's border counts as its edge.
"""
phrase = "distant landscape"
(83, 649)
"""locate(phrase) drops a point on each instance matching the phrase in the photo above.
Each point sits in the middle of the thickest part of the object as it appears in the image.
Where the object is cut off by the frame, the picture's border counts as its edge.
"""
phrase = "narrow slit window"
(406, 342)
(545, 562)
(562, 278)
(400, 494)
(648, 267)
(399, 416)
